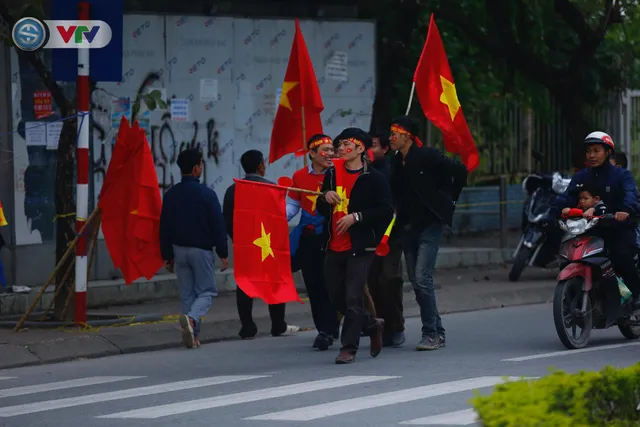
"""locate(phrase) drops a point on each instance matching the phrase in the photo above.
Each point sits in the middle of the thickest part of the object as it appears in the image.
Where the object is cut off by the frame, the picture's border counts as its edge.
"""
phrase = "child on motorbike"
(589, 201)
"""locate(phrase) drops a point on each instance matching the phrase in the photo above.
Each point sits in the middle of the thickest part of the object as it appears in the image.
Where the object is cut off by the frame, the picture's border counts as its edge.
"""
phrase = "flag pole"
(304, 136)
(413, 89)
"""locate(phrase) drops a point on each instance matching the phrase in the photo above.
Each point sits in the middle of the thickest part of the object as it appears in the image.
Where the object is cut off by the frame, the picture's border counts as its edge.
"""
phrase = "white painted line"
(244, 397)
(309, 413)
(49, 405)
(459, 418)
(61, 385)
(569, 352)
(7, 378)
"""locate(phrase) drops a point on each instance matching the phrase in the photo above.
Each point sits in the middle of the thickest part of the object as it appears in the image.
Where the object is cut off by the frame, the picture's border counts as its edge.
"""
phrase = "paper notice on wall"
(54, 130)
(278, 96)
(336, 68)
(179, 110)
(208, 90)
(35, 134)
(120, 107)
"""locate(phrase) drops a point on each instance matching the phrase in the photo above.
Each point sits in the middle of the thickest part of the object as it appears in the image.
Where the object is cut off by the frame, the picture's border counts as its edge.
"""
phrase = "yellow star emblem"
(264, 243)
(344, 202)
(314, 199)
(449, 97)
(284, 96)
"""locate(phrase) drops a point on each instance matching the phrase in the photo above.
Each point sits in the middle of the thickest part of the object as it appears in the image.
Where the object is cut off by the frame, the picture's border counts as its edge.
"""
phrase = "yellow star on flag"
(284, 96)
(344, 202)
(314, 199)
(449, 97)
(264, 243)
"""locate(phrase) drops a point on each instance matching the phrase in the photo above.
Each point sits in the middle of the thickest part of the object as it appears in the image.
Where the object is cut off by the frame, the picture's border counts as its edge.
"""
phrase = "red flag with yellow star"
(437, 94)
(300, 93)
(261, 254)
(3, 219)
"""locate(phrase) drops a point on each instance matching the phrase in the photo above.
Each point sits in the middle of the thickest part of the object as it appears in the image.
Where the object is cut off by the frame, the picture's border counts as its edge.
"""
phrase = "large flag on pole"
(437, 94)
(300, 105)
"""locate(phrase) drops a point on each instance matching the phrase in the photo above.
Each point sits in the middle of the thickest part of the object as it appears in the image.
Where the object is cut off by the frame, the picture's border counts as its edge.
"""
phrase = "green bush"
(586, 399)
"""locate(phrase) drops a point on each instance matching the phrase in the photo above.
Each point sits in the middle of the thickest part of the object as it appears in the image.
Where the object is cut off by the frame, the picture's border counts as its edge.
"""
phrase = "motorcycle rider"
(618, 192)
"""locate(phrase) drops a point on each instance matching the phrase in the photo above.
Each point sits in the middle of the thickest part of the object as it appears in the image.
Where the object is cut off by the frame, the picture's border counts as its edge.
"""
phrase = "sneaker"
(291, 329)
(397, 339)
(428, 344)
(443, 341)
(187, 324)
(322, 342)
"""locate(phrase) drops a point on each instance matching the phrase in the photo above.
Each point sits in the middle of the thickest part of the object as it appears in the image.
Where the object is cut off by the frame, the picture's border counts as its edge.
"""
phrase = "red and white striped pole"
(82, 161)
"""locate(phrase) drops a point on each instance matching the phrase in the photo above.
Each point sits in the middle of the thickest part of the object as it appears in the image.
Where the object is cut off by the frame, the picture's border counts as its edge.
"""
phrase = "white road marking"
(61, 385)
(7, 378)
(49, 405)
(459, 418)
(328, 409)
(244, 397)
(569, 352)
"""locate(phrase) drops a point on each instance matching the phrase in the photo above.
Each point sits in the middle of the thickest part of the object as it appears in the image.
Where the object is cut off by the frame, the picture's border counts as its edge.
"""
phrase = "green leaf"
(345, 113)
(156, 95)
(161, 104)
(151, 103)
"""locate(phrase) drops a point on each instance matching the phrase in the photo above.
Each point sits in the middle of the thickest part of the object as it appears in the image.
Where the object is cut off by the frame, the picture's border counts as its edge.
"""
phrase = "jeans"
(195, 269)
(421, 252)
(345, 276)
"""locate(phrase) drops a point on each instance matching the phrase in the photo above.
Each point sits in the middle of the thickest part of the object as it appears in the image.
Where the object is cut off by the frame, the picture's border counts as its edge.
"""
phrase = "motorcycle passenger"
(590, 202)
(619, 195)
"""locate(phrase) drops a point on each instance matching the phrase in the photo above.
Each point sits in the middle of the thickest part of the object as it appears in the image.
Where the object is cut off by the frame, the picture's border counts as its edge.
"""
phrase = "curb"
(102, 344)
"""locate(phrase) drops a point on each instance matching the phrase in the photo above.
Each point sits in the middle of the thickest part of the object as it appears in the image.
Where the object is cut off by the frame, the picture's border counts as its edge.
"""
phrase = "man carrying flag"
(426, 185)
(306, 238)
(356, 202)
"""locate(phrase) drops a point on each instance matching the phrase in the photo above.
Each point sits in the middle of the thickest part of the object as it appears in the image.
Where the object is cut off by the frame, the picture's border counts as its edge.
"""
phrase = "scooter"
(537, 247)
(589, 294)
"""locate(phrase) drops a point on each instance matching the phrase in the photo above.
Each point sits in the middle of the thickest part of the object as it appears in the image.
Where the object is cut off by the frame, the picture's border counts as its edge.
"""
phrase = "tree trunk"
(65, 205)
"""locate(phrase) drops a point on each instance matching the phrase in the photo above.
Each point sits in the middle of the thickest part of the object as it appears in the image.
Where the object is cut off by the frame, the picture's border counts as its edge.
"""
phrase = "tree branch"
(66, 108)
(574, 18)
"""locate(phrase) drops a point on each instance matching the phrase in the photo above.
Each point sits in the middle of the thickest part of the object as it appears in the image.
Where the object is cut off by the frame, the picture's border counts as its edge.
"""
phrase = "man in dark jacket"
(191, 225)
(252, 162)
(357, 206)
(385, 276)
(426, 185)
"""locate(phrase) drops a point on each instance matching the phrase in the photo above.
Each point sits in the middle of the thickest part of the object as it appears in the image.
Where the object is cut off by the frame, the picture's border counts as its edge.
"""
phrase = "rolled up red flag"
(383, 248)
(573, 212)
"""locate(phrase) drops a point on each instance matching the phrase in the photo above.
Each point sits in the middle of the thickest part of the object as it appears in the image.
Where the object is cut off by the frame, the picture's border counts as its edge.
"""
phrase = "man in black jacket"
(385, 276)
(191, 225)
(357, 206)
(426, 185)
(252, 162)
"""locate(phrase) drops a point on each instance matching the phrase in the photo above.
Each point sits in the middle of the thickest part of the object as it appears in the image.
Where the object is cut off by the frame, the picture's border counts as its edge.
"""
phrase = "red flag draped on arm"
(437, 94)
(300, 93)
(130, 203)
(262, 259)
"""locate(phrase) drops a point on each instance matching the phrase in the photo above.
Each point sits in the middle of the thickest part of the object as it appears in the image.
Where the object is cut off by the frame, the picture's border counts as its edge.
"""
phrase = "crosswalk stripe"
(60, 385)
(7, 378)
(245, 397)
(328, 409)
(458, 418)
(48, 405)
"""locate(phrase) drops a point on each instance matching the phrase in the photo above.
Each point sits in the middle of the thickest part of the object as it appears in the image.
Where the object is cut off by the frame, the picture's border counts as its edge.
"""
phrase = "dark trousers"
(245, 308)
(345, 275)
(621, 245)
(385, 285)
(311, 258)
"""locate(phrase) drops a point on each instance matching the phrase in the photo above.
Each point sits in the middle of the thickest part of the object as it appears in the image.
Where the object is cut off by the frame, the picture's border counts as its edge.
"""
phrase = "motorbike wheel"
(630, 332)
(567, 300)
(520, 263)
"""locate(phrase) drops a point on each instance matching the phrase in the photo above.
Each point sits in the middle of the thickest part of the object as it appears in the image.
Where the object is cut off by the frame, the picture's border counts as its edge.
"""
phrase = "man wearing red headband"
(307, 252)
(356, 202)
(426, 185)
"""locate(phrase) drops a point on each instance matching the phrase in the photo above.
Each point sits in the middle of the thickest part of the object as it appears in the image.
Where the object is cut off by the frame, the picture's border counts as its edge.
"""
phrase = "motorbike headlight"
(558, 184)
(577, 226)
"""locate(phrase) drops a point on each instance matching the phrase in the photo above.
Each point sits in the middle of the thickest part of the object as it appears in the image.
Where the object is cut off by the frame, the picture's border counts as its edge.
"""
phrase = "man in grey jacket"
(252, 162)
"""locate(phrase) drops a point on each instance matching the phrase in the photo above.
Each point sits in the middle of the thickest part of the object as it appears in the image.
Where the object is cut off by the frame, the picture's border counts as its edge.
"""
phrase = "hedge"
(609, 398)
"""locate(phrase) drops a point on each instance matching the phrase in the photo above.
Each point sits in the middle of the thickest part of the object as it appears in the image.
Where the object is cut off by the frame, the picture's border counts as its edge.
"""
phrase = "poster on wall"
(42, 105)
(120, 107)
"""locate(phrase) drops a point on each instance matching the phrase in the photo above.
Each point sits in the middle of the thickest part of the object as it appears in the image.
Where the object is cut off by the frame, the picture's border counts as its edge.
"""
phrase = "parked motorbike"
(537, 247)
(589, 294)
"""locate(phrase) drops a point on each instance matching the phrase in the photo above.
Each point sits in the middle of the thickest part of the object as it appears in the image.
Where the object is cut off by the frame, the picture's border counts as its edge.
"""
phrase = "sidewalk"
(466, 289)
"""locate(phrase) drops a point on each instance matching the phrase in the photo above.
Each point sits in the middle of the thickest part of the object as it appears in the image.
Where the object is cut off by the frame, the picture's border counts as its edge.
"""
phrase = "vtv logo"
(78, 34)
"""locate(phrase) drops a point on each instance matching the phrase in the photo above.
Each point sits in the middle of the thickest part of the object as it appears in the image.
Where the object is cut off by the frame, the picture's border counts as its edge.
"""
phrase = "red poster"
(42, 103)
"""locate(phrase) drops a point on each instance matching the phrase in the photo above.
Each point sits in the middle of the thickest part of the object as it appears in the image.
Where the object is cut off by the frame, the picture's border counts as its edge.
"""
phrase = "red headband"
(400, 129)
(319, 142)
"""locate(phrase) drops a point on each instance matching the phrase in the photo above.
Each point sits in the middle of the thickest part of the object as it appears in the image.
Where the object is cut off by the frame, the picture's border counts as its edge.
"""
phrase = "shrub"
(609, 398)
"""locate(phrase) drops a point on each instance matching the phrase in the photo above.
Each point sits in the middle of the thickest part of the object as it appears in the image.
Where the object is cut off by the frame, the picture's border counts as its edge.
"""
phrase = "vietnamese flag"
(437, 94)
(130, 204)
(300, 94)
(262, 259)
(3, 219)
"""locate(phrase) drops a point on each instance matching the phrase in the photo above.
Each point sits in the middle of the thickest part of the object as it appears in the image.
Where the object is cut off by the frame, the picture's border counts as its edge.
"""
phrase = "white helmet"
(601, 138)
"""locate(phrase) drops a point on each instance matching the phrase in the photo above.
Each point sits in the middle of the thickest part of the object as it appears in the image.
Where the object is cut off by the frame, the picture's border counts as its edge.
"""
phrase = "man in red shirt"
(307, 252)
(357, 206)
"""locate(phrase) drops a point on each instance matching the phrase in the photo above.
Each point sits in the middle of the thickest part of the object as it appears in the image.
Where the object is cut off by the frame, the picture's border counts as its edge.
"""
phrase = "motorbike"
(538, 247)
(589, 294)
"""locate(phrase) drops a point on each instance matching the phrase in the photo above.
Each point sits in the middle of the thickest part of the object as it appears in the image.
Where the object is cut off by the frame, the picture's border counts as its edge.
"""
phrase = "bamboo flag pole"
(304, 136)
(413, 89)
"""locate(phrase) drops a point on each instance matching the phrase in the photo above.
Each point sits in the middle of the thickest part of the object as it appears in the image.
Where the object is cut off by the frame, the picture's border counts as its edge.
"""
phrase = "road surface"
(275, 382)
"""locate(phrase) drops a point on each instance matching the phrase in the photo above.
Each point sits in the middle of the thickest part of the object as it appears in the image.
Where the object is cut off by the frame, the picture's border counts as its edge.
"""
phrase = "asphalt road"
(274, 382)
